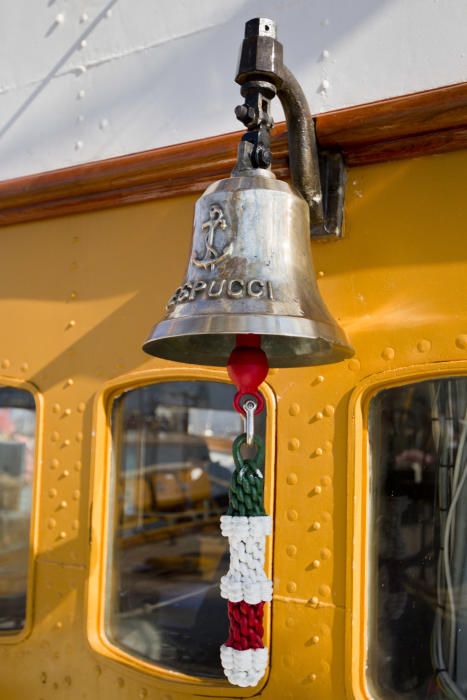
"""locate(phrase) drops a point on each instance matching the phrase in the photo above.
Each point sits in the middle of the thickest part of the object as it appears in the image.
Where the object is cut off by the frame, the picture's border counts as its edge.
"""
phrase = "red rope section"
(246, 626)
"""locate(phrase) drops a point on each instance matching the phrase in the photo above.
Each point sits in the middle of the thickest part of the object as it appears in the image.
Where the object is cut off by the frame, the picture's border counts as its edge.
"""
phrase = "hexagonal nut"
(260, 55)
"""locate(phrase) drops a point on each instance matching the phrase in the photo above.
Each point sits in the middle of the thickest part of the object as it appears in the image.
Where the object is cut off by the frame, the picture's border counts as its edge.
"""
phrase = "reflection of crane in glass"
(141, 462)
(422, 533)
(449, 641)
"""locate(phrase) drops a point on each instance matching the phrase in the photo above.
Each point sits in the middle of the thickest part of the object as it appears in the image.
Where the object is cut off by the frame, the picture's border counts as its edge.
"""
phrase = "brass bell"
(250, 268)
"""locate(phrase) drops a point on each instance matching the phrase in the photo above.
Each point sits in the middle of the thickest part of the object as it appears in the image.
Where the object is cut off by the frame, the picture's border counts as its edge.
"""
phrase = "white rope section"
(244, 668)
(243, 526)
(246, 579)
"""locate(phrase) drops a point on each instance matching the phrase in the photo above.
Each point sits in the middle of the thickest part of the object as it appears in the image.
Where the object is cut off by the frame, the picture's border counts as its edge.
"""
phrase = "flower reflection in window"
(17, 444)
(172, 465)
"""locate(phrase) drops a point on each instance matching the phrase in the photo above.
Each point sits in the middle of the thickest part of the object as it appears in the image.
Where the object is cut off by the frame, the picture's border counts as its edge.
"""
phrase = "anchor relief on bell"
(215, 272)
(211, 256)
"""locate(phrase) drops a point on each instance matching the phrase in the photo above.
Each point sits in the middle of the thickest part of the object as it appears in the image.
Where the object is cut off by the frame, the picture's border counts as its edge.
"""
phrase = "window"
(171, 471)
(17, 442)
(418, 551)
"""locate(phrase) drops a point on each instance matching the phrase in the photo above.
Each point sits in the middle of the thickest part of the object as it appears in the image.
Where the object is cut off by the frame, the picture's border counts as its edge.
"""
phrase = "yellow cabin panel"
(79, 294)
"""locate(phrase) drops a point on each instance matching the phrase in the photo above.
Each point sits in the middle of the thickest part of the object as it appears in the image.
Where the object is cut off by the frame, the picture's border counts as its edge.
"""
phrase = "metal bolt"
(250, 407)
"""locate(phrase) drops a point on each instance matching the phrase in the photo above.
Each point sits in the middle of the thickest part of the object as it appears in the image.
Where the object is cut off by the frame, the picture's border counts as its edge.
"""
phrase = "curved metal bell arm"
(303, 152)
(261, 64)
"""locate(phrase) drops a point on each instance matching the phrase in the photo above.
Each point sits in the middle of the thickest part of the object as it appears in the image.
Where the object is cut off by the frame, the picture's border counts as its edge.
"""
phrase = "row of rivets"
(292, 514)
(81, 69)
(56, 408)
(6, 364)
(423, 345)
(55, 463)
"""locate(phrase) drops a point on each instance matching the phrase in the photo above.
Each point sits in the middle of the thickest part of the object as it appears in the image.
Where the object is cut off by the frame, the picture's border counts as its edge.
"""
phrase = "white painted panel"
(82, 81)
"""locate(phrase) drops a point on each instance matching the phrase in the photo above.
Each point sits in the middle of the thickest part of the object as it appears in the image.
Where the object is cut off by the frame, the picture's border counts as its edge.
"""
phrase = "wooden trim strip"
(408, 147)
(164, 172)
(423, 123)
(403, 127)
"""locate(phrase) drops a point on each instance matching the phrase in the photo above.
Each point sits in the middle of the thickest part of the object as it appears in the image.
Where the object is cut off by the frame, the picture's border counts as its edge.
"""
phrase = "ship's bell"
(250, 271)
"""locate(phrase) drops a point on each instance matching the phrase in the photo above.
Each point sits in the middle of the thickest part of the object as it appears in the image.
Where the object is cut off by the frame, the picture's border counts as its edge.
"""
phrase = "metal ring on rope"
(258, 459)
(237, 402)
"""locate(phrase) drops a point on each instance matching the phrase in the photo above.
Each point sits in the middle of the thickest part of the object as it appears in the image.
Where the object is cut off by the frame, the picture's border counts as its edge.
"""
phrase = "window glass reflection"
(171, 467)
(418, 589)
(17, 439)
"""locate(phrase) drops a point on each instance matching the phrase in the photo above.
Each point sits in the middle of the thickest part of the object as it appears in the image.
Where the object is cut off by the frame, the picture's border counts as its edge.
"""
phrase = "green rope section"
(246, 486)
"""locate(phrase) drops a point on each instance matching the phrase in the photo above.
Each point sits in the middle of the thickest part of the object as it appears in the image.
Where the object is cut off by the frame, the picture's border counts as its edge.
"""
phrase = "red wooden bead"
(248, 368)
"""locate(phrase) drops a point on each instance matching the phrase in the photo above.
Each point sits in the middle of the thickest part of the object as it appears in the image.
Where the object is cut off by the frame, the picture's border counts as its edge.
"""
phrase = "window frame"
(101, 536)
(18, 636)
(359, 514)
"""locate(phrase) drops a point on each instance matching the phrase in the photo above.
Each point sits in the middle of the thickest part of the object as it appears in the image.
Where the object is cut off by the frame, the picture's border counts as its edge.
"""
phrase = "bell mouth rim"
(288, 341)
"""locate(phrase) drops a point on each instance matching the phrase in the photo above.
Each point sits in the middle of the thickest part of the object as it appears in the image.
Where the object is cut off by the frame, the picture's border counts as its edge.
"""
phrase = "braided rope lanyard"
(246, 485)
(246, 587)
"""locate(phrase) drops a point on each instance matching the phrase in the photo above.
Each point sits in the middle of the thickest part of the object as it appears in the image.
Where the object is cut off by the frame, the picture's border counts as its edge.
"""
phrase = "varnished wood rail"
(424, 123)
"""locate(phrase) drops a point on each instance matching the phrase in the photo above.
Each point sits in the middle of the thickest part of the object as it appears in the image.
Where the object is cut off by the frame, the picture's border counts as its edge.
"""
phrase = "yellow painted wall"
(78, 295)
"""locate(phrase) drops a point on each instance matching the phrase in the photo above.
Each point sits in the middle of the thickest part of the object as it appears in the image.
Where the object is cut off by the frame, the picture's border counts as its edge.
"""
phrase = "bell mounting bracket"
(318, 175)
